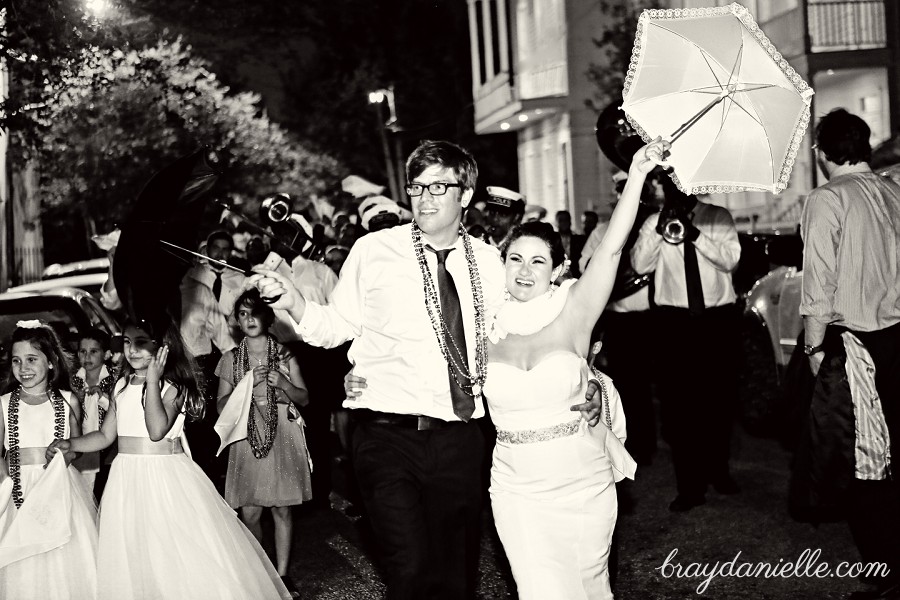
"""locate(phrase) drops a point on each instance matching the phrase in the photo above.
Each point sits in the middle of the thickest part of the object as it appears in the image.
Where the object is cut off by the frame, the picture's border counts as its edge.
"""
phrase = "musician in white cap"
(378, 212)
(503, 209)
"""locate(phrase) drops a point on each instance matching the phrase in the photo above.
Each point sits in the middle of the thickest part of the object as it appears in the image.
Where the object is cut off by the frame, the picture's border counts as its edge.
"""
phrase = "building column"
(503, 34)
(473, 48)
(490, 67)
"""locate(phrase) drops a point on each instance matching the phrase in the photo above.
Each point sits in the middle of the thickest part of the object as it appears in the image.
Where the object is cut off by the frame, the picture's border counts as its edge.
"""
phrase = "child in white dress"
(40, 556)
(165, 533)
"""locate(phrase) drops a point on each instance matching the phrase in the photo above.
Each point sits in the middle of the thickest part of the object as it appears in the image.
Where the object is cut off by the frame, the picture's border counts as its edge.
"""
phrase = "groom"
(417, 448)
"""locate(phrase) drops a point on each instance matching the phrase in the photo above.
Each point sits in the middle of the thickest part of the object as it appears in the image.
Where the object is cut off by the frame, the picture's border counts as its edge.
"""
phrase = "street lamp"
(98, 8)
(395, 175)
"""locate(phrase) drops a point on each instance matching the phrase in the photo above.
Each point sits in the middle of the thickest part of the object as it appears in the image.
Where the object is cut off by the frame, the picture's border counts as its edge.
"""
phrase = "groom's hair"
(447, 155)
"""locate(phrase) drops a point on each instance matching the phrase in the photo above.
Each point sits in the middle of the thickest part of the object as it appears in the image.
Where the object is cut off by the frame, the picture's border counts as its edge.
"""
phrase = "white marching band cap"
(534, 212)
(377, 205)
(505, 198)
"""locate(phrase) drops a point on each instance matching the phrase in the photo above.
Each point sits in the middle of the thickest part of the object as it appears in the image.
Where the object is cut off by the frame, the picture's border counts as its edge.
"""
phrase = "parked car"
(81, 267)
(771, 326)
(69, 311)
(89, 275)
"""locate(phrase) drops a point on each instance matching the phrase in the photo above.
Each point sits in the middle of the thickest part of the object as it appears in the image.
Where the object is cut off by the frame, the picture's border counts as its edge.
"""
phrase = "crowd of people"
(425, 347)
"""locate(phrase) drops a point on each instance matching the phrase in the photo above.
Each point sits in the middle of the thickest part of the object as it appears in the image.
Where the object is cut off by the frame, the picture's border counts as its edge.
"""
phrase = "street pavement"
(333, 550)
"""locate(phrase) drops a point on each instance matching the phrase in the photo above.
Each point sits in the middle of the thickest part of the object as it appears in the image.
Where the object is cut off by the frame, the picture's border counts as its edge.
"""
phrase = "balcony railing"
(846, 25)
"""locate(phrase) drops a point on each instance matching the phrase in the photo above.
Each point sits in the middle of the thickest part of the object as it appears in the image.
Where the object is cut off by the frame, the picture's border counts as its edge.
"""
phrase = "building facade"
(529, 64)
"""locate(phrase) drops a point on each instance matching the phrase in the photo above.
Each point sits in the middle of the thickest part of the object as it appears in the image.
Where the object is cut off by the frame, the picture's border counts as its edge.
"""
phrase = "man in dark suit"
(572, 242)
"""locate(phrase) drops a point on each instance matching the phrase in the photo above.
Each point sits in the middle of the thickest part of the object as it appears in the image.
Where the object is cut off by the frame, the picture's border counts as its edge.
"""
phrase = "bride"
(552, 480)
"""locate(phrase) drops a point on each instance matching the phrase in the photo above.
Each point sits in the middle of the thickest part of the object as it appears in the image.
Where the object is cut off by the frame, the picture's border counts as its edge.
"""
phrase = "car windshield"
(62, 314)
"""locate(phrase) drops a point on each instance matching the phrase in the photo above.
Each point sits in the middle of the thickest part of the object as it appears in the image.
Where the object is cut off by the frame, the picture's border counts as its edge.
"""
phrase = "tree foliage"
(315, 61)
(42, 43)
(616, 41)
(106, 125)
(125, 114)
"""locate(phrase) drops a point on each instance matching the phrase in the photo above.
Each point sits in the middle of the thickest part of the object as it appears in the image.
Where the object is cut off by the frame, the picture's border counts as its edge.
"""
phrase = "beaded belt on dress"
(141, 445)
(529, 436)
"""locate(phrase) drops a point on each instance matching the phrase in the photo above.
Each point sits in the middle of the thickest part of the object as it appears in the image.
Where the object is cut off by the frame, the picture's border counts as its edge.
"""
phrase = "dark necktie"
(463, 403)
(217, 286)
(692, 278)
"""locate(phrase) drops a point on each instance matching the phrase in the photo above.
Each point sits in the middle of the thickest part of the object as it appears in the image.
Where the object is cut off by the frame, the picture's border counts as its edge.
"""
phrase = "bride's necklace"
(526, 318)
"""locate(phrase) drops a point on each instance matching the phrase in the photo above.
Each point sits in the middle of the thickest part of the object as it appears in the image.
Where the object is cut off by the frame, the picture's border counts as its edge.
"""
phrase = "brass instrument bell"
(275, 209)
(673, 229)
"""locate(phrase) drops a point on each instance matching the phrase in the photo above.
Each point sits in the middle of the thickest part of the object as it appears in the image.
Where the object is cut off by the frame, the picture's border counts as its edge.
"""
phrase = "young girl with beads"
(38, 408)
(164, 530)
(270, 468)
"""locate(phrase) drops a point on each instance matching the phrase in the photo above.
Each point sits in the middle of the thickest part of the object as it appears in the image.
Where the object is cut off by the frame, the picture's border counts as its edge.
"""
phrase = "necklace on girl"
(12, 426)
(27, 393)
(260, 447)
(468, 381)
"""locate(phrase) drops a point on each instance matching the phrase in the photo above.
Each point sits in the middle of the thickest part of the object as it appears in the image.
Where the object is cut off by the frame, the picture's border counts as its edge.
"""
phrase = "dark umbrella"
(146, 272)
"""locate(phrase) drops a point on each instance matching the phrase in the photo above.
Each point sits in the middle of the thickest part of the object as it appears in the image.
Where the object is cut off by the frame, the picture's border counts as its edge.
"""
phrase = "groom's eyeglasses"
(435, 189)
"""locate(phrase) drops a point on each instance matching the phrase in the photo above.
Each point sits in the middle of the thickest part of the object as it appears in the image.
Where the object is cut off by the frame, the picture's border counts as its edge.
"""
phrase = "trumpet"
(672, 228)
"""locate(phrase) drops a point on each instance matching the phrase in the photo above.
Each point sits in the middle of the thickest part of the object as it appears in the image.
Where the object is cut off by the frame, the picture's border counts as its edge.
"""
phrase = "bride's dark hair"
(542, 231)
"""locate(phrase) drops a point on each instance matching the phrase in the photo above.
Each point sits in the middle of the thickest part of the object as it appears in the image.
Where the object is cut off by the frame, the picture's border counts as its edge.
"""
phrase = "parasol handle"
(224, 265)
(268, 264)
(726, 92)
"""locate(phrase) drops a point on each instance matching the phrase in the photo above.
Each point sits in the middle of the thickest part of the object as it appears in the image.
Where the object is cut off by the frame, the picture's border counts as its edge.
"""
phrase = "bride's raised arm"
(589, 294)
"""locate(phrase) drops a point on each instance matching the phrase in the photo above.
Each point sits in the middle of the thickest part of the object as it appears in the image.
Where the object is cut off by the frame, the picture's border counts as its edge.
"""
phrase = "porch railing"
(846, 24)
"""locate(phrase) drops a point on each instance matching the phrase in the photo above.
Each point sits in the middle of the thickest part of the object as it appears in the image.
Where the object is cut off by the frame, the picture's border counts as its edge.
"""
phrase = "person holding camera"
(693, 247)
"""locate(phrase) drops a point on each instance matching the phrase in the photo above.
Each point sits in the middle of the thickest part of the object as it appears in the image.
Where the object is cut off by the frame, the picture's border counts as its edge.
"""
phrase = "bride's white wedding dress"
(552, 484)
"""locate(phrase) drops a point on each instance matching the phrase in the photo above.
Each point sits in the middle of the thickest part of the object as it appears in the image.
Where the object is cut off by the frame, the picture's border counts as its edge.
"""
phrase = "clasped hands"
(591, 409)
(64, 446)
(273, 377)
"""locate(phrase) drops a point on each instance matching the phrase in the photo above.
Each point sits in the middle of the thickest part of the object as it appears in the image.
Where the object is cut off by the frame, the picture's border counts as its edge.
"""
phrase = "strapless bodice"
(537, 397)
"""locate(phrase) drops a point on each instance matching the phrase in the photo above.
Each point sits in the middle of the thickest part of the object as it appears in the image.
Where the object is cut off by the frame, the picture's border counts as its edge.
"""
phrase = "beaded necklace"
(469, 382)
(260, 447)
(12, 426)
(107, 385)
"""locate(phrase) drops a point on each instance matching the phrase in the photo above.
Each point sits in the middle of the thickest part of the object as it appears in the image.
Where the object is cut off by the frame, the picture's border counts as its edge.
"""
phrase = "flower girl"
(164, 530)
(48, 529)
